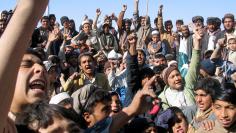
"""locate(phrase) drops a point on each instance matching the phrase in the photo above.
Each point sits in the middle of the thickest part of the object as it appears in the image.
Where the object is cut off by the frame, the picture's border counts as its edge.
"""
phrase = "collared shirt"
(183, 45)
(232, 57)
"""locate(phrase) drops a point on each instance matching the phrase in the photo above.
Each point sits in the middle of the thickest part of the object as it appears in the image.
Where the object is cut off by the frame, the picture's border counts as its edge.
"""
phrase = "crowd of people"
(135, 78)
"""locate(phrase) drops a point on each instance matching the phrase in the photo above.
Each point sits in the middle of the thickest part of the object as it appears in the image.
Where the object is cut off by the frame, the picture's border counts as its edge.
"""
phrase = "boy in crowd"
(204, 93)
(29, 70)
(224, 108)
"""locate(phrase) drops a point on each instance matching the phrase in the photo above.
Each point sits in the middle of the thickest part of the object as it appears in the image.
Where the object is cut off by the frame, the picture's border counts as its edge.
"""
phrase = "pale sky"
(173, 9)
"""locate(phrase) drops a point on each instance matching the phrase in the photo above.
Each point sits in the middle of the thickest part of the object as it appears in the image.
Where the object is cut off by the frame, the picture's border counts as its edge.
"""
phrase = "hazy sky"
(173, 9)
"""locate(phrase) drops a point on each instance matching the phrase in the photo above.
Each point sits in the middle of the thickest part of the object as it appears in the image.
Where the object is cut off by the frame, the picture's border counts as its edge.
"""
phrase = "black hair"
(113, 93)
(146, 72)
(34, 52)
(51, 16)
(39, 52)
(233, 38)
(155, 20)
(96, 96)
(159, 56)
(159, 69)
(43, 113)
(227, 93)
(139, 125)
(218, 22)
(85, 54)
(180, 21)
(127, 21)
(168, 22)
(2, 20)
(54, 59)
(4, 12)
(177, 111)
(209, 85)
(45, 17)
(228, 15)
(71, 54)
(208, 54)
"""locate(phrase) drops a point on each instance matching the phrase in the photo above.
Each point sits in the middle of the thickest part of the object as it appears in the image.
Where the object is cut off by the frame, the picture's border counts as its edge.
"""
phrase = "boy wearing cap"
(177, 93)
(156, 45)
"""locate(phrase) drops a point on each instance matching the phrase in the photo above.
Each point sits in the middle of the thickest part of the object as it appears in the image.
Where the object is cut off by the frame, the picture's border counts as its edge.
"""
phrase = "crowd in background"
(132, 78)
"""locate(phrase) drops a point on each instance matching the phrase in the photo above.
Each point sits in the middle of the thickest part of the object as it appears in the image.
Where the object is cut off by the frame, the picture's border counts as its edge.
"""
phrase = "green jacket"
(190, 80)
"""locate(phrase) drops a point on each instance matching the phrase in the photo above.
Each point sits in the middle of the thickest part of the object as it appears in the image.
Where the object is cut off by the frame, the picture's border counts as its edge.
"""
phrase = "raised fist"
(124, 8)
(98, 12)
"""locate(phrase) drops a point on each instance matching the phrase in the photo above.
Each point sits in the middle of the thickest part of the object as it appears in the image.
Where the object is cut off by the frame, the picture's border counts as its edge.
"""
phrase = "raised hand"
(124, 8)
(53, 36)
(221, 42)
(98, 12)
(160, 9)
(143, 101)
(197, 37)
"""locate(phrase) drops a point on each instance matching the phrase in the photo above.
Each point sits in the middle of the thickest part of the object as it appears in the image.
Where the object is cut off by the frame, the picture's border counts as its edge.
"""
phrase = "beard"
(229, 30)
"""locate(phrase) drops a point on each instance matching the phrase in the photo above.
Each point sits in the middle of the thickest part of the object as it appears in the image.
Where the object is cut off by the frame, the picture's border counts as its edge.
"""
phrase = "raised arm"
(160, 25)
(121, 17)
(53, 36)
(136, 15)
(14, 42)
(192, 75)
(98, 13)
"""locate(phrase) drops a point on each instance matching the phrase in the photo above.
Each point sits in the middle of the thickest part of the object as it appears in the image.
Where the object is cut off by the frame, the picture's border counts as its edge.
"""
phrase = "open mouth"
(178, 83)
(225, 122)
(88, 67)
(201, 105)
(38, 85)
(180, 130)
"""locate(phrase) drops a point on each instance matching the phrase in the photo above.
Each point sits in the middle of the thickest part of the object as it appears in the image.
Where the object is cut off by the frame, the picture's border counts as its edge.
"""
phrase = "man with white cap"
(62, 99)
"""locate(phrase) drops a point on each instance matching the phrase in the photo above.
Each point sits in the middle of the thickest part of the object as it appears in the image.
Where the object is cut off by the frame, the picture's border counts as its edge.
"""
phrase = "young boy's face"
(232, 45)
(180, 126)
(155, 38)
(115, 104)
(100, 111)
(203, 100)
(225, 113)
(31, 84)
